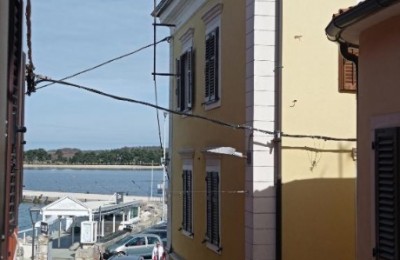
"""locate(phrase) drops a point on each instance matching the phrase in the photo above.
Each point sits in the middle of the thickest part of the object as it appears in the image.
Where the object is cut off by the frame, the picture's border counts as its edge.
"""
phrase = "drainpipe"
(344, 50)
(278, 128)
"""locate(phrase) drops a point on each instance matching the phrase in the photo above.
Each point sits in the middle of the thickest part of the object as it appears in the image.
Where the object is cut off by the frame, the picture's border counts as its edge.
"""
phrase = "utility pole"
(151, 184)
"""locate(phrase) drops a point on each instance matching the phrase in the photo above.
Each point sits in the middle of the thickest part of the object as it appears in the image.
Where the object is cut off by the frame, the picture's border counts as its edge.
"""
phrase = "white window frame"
(212, 21)
(214, 165)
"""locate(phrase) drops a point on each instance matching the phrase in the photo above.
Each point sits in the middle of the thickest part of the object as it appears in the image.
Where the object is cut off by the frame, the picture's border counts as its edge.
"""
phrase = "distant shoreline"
(85, 166)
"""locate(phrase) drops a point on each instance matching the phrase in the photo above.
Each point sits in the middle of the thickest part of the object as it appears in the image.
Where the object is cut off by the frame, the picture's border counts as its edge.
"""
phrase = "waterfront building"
(12, 76)
(373, 29)
(257, 180)
(110, 216)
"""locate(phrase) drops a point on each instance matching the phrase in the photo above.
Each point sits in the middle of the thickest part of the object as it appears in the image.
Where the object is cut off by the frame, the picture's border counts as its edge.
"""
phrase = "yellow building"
(251, 177)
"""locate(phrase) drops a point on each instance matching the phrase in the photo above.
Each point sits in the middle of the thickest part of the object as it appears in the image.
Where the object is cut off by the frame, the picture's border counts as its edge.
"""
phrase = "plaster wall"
(196, 135)
(378, 107)
(318, 177)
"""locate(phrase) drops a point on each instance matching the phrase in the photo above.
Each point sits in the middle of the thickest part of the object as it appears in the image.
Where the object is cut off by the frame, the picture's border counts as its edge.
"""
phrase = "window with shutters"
(347, 74)
(213, 205)
(187, 218)
(387, 187)
(185, 81)
(211, 70)
(212, 45)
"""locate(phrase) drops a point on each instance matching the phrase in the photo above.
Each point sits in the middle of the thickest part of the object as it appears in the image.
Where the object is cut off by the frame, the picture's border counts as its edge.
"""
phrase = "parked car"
(137, 244)
(162, 233)
(126, 257)
(162, 225)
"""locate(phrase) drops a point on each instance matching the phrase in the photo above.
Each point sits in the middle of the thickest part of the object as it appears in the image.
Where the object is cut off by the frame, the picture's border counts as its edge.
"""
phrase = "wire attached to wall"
(276, 135)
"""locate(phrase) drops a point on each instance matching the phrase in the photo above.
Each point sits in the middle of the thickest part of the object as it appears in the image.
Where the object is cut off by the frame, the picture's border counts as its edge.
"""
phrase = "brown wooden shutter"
(387, 190)
(347, 73)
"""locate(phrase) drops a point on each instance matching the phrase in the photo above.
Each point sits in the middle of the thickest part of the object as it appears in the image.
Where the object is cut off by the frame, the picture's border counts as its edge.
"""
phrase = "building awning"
(224, 150)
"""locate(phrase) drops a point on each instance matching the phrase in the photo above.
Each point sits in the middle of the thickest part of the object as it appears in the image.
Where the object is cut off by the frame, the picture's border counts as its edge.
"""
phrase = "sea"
(135, 182)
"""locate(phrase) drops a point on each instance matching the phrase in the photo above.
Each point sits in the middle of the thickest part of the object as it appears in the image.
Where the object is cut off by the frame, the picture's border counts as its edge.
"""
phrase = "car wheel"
(120, 253)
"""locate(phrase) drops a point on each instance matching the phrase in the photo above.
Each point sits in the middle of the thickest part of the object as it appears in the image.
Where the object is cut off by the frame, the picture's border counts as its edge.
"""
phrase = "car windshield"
(152, 240)
(160, 233)
(124, 240)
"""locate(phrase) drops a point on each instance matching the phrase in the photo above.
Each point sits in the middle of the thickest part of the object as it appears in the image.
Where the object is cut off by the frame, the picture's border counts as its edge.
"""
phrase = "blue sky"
(72, 35)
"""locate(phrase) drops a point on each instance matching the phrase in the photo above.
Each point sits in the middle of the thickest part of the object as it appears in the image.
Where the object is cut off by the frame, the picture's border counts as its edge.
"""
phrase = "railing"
(24, 234)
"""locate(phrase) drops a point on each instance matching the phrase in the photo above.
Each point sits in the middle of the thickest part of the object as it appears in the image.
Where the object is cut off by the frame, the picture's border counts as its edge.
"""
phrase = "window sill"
(188, 234)
(187, 111)
(216, 249)
(210, 105)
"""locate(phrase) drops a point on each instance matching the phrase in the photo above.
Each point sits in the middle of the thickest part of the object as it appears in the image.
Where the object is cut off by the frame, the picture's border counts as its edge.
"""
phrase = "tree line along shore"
(126, 157)
(93, 166)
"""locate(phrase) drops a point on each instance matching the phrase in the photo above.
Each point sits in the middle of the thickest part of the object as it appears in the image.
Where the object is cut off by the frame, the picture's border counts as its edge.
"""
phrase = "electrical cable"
(204, 191)
(215, 121)
(108, 61)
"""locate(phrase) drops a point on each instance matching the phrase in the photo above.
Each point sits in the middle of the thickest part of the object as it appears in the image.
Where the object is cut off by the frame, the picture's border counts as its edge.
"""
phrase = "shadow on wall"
(318, 219)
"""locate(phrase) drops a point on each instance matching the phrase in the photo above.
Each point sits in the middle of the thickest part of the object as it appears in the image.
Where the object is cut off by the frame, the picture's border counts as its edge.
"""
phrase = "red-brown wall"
(378, 106)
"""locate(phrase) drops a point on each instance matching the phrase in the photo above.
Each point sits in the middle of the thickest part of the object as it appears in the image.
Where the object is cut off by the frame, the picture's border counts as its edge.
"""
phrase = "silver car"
(159, 232)
(126, 257)
(137, 244)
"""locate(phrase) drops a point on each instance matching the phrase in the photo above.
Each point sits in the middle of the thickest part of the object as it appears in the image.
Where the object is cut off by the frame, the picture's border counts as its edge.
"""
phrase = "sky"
(71, 35)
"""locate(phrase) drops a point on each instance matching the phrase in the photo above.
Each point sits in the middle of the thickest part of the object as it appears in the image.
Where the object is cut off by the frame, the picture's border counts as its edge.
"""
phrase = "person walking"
(158, 252)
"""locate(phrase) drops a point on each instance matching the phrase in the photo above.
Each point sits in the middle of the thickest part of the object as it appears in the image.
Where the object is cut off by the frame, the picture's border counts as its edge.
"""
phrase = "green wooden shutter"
(215, 208)
(215, 90)
(211, 70)
(184, 200)
(178, 84)
(209, 217)
(387, 193)
(212, 183)
(190, 78)
(189, 202)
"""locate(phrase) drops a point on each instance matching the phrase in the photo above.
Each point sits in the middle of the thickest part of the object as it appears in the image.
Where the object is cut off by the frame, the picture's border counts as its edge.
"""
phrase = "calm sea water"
(132, 182)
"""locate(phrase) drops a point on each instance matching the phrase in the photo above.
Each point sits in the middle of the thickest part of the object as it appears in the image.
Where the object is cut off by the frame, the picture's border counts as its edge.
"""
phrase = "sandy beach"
(105, 167)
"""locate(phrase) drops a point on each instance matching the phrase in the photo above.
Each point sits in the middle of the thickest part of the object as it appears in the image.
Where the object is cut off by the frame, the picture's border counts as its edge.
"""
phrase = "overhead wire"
(191, 115)
(108, 61)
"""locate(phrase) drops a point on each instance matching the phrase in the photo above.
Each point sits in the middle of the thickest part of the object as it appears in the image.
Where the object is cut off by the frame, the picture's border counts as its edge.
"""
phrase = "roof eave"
(359, 12)
(160, 8)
